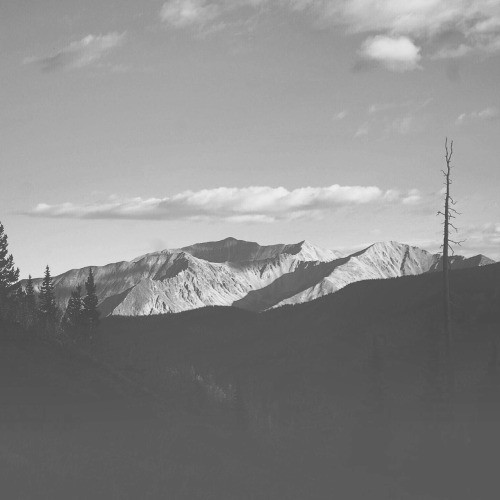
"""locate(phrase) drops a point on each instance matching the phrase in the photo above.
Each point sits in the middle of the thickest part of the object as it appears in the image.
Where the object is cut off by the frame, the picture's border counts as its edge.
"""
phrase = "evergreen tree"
(74, 316)
(90, 312)
(8, 275)
(48, 307)
(20, 306)
(30, 303)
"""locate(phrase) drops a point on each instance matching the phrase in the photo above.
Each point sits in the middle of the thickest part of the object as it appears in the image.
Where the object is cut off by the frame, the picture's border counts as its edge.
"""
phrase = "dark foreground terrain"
(337, 398)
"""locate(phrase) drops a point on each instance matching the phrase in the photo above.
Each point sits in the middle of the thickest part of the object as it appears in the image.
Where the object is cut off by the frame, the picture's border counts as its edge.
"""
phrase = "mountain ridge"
(244, 274)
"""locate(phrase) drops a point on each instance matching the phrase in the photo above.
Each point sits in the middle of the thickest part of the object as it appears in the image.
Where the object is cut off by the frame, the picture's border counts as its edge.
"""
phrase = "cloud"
(184, 13)
(340, 115)
(452, 52)
(395, 118)
(411, 104)
(490, 113)
(483, 238)
(402, 125)
(377, 107)
(413, 197)
(416, 18)
(473, 24)
(362, 130)
(85, 52)
(250, 204)
(396, 54)
(400, 29)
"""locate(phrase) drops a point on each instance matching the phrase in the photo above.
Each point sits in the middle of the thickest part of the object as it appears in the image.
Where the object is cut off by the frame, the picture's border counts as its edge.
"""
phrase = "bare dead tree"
(449, 214)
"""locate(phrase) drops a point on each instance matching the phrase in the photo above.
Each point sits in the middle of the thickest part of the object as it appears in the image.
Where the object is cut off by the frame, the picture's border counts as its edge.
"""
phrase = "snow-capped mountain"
(244, 274)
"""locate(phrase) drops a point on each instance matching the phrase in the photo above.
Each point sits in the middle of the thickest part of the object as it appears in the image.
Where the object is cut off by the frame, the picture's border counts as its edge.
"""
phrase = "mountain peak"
(232, 250)
(310, 252)
(389, 244)
(393, 246)
(244, 274)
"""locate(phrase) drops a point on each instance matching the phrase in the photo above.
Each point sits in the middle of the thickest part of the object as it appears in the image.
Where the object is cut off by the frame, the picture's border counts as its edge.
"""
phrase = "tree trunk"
(449, 374)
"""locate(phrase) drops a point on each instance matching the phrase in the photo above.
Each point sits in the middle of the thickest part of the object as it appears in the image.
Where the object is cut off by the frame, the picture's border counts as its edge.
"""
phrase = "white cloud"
(413, 106)
(443, 28)
(362, 130)
(384, 106)
(396, 54)
(490, 113)
(85, 52)
(184, 13)
(340, 115)
(395, 118)
(413, 197)
(251, 204)
(475, 24)
(422, 18)
(402, 125)
(452, 52)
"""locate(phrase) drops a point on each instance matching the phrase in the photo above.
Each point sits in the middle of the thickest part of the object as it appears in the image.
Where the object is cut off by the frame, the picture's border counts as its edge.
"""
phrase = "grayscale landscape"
(249, 250)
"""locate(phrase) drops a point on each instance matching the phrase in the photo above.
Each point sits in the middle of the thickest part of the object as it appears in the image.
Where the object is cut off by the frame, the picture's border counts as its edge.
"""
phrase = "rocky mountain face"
(244, 274)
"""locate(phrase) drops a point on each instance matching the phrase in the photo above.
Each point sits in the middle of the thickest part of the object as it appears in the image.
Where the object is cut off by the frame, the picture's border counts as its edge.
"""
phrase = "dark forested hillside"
(339, 397)
(353, 377)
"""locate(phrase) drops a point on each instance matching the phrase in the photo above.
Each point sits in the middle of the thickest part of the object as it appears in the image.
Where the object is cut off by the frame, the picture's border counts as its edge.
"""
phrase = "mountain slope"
(380, 261)
(352, 374)
(243, 274)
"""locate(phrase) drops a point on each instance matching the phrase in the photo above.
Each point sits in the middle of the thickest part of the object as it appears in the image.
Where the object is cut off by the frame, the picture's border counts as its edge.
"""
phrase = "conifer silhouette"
(30, 309)
(47, 307)
(74, 312)
(8, 274)
(90, 301)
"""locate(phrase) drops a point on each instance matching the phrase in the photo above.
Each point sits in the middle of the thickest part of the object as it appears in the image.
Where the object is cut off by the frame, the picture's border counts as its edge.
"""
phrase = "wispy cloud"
(402, 125)
(474, 24)
(184, 13)
(362, 130)
(378, 107)
(402, 32)
(412, 105)
(394, 118)
(251, 204)
(341, 115)
(79, 54)
(490, 113)
(483, 238)
(396, 54)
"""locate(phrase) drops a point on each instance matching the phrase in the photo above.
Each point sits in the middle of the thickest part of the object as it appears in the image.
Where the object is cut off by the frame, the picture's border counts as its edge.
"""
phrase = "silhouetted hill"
(351, 377)
(335, 398)
(474, 293)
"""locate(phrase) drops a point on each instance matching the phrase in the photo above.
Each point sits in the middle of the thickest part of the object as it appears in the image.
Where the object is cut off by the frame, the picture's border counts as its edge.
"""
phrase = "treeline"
(36, 311)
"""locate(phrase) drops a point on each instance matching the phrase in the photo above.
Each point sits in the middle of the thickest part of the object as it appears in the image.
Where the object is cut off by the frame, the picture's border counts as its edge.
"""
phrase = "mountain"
(327, 399)
(244, 274)
(350, 378)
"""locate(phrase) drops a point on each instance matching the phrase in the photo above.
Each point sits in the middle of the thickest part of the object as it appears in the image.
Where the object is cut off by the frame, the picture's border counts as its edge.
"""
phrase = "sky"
(129, 127)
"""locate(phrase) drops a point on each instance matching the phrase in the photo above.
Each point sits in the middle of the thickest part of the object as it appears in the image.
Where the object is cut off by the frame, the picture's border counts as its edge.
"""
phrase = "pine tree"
(73, 316)
(30, 310)
(90, 312)
(48, 307)
(20, 306)
(8, 274)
